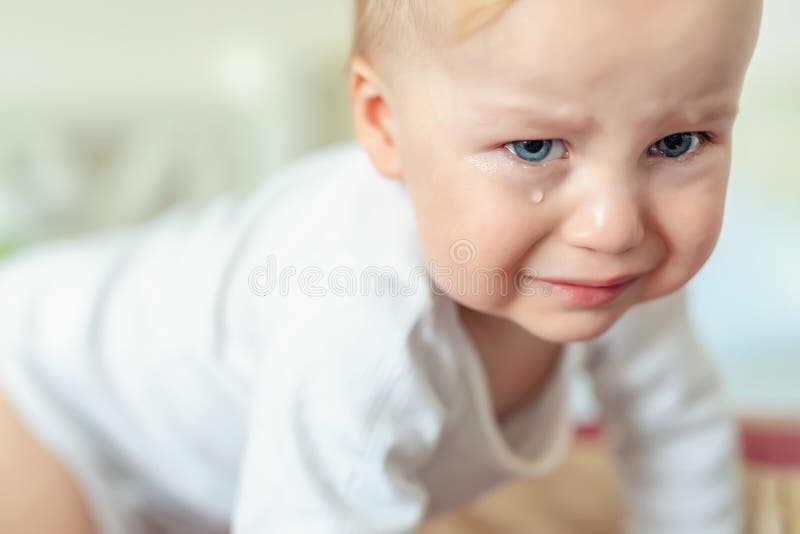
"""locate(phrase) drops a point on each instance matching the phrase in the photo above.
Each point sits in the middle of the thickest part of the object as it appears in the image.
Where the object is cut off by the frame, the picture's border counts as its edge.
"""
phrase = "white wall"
(111, 110)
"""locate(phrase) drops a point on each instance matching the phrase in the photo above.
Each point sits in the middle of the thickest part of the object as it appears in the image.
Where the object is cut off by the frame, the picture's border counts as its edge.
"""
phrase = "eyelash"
(705, 138)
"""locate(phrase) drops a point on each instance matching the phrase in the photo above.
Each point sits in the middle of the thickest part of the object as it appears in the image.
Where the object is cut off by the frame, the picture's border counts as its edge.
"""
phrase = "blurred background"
(110, 112)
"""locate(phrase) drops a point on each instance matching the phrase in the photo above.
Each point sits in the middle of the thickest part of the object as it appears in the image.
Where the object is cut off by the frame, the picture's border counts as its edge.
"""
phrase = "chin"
(568, 328)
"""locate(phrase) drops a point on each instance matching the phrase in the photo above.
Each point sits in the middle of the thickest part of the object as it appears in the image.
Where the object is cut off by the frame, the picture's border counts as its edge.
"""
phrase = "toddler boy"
(387, 329)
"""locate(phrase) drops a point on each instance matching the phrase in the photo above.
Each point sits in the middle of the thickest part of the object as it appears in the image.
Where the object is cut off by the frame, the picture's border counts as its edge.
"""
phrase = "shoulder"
(332, 249)
(332, 209)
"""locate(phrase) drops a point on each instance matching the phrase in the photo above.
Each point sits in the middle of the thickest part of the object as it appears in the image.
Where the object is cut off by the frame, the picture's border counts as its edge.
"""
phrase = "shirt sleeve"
(673, 435)
(342, 422)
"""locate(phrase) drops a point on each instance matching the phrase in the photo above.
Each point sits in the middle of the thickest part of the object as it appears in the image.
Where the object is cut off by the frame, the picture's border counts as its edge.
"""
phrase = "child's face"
(604, 93)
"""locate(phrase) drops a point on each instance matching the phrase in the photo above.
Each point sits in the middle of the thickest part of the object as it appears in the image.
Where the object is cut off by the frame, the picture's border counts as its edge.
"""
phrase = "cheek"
(461, 205)
(695, 235)
(690, 224)
(474, 233)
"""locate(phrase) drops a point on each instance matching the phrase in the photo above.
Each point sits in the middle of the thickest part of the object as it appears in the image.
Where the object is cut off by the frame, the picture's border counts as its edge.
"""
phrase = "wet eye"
(677, 145)
(537, 151)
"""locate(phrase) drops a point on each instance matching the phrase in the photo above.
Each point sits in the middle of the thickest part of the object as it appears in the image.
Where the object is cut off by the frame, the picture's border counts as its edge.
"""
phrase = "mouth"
(608, 282)
(588, 293)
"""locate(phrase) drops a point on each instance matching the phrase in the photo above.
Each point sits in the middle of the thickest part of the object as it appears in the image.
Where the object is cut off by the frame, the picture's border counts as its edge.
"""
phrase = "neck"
(517, 364)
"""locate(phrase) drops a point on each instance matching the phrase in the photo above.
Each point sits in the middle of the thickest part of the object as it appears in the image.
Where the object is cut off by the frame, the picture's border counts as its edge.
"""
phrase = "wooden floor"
(583, 497)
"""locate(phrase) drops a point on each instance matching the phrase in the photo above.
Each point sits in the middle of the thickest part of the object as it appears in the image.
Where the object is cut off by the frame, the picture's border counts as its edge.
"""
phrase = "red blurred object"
(765, 441)
(774, 442)
(588, 430)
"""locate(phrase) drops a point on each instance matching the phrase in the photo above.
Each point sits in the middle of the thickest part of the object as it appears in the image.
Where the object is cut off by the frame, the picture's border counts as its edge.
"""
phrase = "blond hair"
(380, 25)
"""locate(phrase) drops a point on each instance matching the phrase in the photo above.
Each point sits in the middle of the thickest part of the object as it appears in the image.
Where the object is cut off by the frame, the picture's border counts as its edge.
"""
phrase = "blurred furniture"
(583, 495)
(111, 111)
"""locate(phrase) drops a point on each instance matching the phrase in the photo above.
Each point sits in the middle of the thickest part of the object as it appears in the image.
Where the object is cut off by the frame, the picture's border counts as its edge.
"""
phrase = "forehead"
(605, 52)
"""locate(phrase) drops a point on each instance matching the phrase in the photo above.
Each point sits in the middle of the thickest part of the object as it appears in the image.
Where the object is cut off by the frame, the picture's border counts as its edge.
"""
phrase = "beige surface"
(582, 497)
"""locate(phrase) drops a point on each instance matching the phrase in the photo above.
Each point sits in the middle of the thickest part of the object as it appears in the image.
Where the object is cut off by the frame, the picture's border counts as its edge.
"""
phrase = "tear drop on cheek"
(537, 196)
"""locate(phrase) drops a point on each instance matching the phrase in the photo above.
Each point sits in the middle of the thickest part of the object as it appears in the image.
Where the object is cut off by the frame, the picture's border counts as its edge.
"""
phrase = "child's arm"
(674, 438)
(340, 426)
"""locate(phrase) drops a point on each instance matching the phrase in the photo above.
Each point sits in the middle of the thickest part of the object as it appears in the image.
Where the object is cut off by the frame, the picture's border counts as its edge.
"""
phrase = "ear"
(372, 118)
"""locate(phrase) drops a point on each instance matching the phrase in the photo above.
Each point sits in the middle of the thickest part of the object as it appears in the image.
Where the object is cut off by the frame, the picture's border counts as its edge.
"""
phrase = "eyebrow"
(703, 114)
(570, 120)
(528, 115)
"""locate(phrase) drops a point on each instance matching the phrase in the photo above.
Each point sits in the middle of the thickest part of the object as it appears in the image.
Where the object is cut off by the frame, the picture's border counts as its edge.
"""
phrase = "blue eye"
(676, 145)
(537, 150)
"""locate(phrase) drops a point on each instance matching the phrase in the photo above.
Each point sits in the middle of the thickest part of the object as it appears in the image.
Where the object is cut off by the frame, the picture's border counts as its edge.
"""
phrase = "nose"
(608, 220)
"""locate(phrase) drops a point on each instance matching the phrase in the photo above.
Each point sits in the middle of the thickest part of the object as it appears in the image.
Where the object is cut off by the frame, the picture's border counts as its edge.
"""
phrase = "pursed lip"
(608, 282)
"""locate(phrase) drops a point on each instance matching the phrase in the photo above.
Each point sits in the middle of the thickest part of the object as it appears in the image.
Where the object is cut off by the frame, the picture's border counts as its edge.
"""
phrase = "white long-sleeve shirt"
(276, 362)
